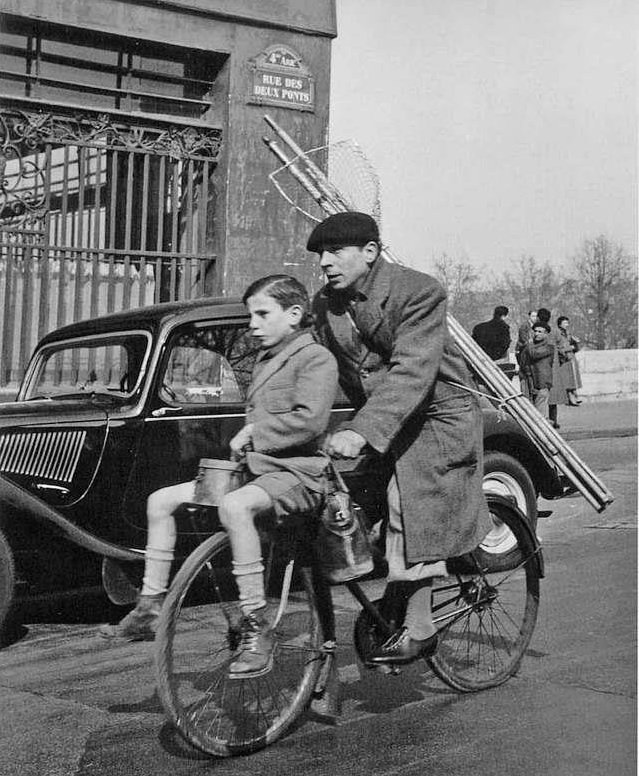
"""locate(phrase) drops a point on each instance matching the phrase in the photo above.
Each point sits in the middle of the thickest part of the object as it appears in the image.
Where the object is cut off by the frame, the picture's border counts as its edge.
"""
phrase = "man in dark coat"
(524, 333)
(524, 336)
(494, 336)
(386, 325)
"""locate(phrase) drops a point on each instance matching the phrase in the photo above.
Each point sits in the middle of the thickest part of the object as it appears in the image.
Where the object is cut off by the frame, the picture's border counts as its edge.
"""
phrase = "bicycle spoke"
(485, 630)
(215, 712)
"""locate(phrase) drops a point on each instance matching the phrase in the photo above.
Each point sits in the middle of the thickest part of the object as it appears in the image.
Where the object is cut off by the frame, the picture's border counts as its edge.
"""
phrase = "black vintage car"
(111, 409)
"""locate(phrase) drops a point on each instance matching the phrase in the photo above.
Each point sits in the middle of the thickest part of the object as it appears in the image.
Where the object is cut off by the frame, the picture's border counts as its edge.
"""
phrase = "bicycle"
(485, 613)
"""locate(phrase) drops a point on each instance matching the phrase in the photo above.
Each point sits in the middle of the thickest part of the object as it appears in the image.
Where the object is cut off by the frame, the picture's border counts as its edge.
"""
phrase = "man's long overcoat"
(397, 363)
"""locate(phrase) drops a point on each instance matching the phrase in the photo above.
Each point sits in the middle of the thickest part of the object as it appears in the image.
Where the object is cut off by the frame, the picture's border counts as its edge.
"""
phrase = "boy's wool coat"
(289, 404)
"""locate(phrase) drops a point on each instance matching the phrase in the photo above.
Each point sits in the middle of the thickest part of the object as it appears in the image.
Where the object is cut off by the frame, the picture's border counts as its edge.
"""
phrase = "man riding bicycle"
(386, 326)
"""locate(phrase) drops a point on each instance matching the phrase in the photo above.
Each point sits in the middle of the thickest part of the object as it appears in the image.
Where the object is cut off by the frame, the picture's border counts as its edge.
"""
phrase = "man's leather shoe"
(400, 649)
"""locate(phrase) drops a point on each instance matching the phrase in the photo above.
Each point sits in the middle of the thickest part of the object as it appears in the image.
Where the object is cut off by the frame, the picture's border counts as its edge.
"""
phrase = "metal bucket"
(215, 478)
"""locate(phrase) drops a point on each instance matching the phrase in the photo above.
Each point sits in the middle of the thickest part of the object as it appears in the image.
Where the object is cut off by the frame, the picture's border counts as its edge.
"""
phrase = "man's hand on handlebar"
(344, 444)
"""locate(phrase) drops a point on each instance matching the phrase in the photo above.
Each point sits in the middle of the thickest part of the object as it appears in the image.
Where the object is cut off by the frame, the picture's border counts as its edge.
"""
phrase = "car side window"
(208, 363)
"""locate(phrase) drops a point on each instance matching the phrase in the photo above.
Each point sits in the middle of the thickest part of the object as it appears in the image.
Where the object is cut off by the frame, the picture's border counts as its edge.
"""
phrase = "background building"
(132, 167)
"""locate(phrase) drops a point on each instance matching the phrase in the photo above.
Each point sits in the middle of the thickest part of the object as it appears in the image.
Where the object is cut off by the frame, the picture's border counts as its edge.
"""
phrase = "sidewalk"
(596, 419)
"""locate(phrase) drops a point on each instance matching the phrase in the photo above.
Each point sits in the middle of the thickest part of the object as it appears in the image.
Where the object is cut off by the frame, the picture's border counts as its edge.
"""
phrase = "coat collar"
(367, 307)
(275, 363)
(375, 286)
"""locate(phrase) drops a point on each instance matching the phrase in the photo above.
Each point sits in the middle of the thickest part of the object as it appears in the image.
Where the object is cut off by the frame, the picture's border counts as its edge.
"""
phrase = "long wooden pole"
(552, 446)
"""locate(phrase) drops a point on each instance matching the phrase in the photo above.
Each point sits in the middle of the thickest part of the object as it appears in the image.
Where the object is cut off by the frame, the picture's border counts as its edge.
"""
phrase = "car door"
(197, 405)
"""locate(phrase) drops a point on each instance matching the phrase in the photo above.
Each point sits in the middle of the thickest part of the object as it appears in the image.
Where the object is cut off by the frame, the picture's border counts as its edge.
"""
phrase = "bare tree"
(599, 294)
(465, 299)
(531, 286)
(606, 281)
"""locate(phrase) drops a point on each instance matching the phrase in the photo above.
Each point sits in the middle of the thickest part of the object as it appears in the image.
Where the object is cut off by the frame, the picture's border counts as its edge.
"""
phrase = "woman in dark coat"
(568, 367)
(557, 394)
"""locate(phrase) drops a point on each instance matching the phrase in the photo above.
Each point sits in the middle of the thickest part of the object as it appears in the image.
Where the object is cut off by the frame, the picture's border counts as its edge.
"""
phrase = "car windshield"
(108, 365)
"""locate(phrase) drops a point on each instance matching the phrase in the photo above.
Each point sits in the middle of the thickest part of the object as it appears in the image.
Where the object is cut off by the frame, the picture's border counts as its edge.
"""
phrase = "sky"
(498, 128)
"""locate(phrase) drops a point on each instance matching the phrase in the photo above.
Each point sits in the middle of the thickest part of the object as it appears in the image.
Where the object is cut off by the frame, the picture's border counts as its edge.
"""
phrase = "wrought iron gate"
(96, 216)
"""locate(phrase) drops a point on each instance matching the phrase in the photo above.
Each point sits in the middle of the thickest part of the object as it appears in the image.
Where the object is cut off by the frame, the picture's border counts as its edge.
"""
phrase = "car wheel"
(7, 584)
(505, 476)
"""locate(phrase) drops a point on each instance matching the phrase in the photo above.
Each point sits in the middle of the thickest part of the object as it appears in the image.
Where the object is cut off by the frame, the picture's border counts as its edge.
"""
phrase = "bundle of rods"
(548, 441)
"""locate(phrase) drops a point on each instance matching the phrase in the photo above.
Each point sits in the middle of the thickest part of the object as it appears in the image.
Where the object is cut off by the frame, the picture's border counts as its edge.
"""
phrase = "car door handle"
(162, 411)
(54, 488)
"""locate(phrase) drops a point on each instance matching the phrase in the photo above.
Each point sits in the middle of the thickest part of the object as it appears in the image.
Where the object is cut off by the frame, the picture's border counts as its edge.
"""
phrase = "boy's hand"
(344, 444)
(240, 442)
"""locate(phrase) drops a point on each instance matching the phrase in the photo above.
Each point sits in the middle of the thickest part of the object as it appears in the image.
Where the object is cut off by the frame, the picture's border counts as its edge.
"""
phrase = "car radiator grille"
(50, 455)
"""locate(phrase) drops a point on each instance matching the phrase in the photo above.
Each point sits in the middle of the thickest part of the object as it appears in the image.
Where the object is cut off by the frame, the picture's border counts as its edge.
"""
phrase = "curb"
(577, 435)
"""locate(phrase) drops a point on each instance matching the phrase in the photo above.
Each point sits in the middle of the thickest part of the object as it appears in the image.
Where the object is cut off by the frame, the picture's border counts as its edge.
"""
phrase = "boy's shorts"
(288, 495)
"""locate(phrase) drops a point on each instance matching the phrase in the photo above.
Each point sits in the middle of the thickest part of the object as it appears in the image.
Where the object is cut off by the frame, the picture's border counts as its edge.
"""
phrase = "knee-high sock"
(157, 569)
(250, 584)
(160, 544)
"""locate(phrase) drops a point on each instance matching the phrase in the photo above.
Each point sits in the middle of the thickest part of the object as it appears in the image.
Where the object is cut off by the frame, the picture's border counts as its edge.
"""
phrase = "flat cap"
(350, 228)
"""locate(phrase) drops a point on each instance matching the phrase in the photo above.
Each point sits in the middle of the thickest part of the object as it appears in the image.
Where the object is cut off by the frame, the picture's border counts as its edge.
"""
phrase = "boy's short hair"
(541, 325)
(501, 311)
(543, 315)
(286, 291)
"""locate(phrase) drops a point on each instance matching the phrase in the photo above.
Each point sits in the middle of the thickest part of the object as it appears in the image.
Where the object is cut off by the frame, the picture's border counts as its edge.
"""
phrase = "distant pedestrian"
(568, 366)
(536, 360)
(494, 336)
(524, 333)
(556, 395)
(524, 336)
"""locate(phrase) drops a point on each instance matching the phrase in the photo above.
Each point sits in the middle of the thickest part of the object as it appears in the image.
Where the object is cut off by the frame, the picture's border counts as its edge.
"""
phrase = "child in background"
(293, 387)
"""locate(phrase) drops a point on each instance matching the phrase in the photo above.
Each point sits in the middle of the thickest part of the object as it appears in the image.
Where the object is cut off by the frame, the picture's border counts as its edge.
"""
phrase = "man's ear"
(371, 251)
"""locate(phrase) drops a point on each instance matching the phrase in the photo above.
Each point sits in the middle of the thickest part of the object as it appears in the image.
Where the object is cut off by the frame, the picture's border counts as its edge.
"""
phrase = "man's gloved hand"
(344, 444)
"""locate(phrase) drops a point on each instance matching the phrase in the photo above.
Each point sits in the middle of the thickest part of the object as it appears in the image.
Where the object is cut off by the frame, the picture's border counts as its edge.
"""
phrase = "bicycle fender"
(509, 503)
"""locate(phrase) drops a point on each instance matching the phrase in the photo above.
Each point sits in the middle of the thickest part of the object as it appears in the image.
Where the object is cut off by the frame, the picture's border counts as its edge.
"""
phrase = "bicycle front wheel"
(486, 620)
(196, 638)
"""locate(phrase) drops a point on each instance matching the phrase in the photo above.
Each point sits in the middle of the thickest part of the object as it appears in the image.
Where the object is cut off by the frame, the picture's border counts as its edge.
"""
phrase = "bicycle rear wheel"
(486, 620)
(197, 635)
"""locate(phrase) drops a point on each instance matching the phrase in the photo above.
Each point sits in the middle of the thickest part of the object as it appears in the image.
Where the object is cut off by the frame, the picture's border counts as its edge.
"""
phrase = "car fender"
(20, 500)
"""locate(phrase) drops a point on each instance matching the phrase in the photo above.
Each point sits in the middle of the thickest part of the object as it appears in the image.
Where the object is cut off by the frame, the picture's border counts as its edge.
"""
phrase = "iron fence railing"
(97, 216)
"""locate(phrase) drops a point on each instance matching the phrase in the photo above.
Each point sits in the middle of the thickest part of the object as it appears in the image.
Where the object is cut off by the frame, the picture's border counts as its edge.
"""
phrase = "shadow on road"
(91, 608)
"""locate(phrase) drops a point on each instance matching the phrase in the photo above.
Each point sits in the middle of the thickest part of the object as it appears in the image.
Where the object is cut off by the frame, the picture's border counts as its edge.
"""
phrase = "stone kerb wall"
(608, 374)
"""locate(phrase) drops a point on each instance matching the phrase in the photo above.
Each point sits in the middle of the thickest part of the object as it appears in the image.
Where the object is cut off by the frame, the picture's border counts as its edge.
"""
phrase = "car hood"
(45, 411)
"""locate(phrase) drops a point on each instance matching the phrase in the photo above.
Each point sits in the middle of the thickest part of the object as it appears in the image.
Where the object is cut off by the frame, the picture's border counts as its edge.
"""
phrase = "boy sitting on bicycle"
(289, 401)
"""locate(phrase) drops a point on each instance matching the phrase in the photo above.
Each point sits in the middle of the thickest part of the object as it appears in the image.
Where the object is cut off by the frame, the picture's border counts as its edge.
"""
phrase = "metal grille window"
(100, 211)
(55, 64)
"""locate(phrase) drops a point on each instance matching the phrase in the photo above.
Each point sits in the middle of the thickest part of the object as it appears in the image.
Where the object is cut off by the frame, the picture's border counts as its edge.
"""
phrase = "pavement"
(598, 419)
